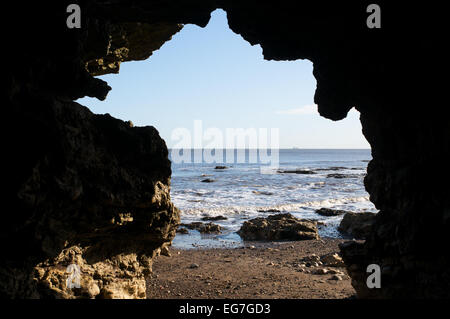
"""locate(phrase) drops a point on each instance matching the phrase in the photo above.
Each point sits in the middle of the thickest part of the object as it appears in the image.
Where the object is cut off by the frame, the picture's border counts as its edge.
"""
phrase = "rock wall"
(378, 72)
(94, 190)
(82, 189)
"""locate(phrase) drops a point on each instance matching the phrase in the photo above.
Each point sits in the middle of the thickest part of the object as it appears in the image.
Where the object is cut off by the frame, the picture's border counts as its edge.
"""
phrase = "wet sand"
(260, 270)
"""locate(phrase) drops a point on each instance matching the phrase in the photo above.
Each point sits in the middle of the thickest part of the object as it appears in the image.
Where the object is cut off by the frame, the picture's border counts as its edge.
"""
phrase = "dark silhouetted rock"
(337, 175)
(219, 167)
(271, 210)
(204, 228)
(331, 212)
(357, 225)
(208, 180)
(96, 190)
(296, 171)
(214, 218)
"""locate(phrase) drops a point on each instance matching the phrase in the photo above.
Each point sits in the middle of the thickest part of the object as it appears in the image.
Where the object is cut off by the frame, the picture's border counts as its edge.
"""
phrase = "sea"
(303, 181)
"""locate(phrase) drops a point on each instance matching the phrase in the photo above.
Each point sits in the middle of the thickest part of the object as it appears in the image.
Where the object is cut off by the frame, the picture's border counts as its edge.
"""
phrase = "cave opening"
(206, 81)
(70, 171)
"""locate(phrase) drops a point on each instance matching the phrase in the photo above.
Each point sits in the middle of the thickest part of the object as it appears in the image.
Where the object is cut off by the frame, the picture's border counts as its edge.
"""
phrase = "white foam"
(239, 210)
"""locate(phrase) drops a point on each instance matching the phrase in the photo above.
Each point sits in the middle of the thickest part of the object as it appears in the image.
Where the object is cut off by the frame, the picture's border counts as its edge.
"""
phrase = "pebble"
(321, 271)
(336, 277)
(192, 266)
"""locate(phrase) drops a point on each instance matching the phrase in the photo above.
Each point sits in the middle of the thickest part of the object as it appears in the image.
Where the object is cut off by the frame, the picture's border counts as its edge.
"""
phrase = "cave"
(95, 190)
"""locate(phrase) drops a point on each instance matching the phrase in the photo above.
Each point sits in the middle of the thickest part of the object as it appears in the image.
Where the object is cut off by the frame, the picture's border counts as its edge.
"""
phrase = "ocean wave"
(245, 210)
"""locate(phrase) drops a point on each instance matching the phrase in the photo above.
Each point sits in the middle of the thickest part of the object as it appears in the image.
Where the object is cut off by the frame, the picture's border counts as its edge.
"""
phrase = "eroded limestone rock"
(95, 193)
(131, 42)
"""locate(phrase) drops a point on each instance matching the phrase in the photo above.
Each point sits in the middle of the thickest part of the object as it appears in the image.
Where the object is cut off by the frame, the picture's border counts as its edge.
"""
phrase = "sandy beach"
(259, 270)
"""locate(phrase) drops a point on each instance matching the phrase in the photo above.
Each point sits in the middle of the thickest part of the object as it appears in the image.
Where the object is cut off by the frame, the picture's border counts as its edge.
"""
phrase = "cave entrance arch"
(353, 66)
(163, 88)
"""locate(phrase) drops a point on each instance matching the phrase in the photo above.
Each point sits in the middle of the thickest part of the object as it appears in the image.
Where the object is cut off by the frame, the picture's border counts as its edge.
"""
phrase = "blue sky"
(215, 76)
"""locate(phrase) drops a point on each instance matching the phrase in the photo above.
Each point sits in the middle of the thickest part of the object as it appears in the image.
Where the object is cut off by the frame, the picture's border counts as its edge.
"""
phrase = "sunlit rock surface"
(278, 227)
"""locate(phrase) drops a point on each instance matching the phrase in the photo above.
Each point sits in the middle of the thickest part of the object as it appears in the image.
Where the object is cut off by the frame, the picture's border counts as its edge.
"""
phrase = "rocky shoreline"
(284, 226)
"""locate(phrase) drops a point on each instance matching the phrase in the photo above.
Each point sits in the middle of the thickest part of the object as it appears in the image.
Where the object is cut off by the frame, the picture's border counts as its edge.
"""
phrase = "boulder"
(357, 225)
(271, 210)
(221, 167)
(332, 260)
(214, 218)
(278, 227)
(296, 171)
(338, 175)
(331, 212)
(336, 277)
(312, 259)
(204, 228)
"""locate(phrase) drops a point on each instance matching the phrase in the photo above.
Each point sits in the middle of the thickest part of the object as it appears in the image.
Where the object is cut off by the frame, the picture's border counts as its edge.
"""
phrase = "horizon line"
(280, 148)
